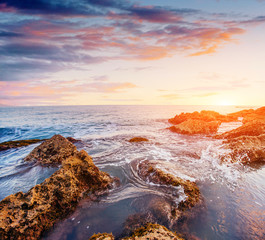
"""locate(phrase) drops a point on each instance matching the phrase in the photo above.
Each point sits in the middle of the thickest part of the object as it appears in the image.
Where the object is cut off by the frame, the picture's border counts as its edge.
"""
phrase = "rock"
(247, 149)
(102, 236)
(191, 126)
(150, 173)
(138, 139)
(28, 215)
(206, 116)
(17, 144)
(73, 140)
(251, 115)
(52, 151)
(253, 128)
(153, 232)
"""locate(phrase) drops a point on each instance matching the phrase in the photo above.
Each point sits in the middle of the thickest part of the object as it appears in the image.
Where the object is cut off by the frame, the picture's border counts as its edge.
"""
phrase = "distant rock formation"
(16, 144)
(138, 139)
(28, 215)
(247, 143)
(251, 115)
(206, 116)
(194, 126)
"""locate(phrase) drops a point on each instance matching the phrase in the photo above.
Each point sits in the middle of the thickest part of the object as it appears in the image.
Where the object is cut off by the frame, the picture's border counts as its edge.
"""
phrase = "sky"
(105, 52)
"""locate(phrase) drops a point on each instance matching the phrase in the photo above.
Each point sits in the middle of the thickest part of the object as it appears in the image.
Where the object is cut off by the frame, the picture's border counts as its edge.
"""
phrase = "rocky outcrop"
(253, 128)
(206, 116)
(16, 144)
(28, 215)
(247, 149)
(102, 236)
(52, 151)
(138, 139)
(251, 115)
(194, 126)
(153, 232)
(150, 173)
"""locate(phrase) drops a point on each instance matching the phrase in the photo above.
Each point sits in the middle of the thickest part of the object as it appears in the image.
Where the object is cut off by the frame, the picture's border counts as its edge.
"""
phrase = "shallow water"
(234, 194)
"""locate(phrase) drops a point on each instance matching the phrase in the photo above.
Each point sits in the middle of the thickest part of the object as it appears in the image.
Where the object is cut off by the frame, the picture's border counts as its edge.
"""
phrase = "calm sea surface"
(234, 195)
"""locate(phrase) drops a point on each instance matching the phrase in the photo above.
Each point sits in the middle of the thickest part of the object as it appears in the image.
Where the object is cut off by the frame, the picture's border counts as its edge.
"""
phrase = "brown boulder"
(138, 139)
(52, 151)
(207, 116)
(192, 126)
(17, 144)
(28, 215)
(247, 149)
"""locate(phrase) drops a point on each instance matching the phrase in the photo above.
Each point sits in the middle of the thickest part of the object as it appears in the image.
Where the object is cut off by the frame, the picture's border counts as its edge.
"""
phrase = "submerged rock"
(17, 144)
(153, 232)
(73, 140)
(194, 126)
(247, 149)
(28, 215)
(138, 139)
(206, 116)
(52, 151)
(102, 236)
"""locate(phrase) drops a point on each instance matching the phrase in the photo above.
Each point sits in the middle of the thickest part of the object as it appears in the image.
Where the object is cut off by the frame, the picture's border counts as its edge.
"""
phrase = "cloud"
(51, 36)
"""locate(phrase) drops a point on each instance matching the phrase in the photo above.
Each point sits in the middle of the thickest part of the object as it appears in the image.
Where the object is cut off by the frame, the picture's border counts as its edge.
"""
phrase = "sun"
(225, 102)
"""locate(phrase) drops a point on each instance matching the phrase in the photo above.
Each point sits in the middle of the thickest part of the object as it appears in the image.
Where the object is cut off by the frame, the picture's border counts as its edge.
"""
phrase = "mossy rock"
(102, 236)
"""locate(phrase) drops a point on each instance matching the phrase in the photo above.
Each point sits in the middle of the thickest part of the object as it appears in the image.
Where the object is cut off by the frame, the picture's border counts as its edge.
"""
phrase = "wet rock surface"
(28, 215)
(16, 144)
(138, 139)
(52, 151)
(194, 126)
(150, 173)
(153, 232)
(102, 236)
(247, 149)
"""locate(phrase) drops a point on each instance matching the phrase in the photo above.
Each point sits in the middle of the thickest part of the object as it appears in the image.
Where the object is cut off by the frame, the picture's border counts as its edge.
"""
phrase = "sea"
(233, 194)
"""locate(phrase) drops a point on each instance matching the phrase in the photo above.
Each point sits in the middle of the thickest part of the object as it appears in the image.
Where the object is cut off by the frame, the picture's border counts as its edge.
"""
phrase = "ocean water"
(234, 194)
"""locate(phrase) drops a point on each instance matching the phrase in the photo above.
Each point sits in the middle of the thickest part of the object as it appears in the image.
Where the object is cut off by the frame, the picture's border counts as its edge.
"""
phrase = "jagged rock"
(102, 236)
(206, 116)
(153, 232)
(52, 151)
(251, 115)
(150, 173)
(158, 209)
(253, 128)
(192, 126)
(138, 139)
(17, 144)
(247, 149)
(28, 215)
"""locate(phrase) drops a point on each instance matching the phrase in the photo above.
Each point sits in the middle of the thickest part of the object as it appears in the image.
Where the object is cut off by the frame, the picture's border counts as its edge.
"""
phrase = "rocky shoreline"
(29, 215)
(246, 143)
